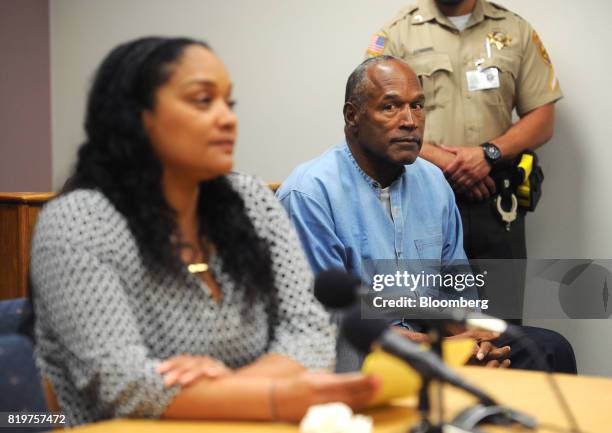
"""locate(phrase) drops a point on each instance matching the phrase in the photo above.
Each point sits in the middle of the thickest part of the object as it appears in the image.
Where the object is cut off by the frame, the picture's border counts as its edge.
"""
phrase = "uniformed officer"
(477, 62)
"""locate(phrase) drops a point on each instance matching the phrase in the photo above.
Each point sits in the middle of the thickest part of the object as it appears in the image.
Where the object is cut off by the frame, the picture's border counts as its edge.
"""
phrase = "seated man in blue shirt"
(371, 197)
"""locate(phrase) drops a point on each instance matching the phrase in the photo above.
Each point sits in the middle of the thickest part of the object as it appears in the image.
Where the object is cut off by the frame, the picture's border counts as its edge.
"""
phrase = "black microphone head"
(336, 288)
(361, 333)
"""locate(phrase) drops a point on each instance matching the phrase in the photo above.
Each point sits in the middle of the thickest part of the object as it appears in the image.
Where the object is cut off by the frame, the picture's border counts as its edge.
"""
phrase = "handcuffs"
(519, 184)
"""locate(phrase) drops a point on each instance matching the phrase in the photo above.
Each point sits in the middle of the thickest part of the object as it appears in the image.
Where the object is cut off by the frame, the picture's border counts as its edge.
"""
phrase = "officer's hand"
(468, 167)
(482, 190)
(478, 192)
(490, 184)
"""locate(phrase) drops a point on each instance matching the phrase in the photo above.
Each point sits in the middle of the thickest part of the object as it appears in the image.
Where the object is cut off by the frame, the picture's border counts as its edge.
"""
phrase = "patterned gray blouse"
(104, 321)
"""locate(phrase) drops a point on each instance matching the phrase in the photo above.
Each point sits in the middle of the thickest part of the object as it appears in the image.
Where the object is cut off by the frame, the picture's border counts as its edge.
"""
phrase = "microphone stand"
(485, 411)
(428, 386)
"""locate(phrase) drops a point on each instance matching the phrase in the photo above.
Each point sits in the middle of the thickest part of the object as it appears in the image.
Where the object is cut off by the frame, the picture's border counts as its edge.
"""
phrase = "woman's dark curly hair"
(117, 158)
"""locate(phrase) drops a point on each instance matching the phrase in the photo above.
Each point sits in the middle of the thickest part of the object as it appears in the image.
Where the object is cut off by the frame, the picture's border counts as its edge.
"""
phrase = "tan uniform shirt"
(441, 56)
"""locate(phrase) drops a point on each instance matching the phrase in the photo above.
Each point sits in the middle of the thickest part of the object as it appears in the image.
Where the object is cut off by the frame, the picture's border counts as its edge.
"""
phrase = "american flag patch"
(377, 44)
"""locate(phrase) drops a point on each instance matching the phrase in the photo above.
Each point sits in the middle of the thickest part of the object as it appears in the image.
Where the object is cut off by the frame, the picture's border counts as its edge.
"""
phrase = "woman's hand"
(290, 398)
(186, 369)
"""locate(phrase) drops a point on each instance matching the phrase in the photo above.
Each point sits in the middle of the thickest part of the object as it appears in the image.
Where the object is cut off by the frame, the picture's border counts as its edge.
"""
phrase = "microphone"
(365, 334)
(336, 289)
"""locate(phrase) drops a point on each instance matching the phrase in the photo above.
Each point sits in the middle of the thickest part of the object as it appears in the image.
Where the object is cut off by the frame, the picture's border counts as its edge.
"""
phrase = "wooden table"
(589, 397)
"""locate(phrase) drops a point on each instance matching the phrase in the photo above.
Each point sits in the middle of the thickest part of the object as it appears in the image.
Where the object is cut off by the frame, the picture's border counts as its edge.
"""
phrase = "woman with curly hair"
(164, 284)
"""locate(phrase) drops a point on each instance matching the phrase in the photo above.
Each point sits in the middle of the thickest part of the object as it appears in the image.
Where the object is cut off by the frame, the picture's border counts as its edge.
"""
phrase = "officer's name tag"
(482, 80)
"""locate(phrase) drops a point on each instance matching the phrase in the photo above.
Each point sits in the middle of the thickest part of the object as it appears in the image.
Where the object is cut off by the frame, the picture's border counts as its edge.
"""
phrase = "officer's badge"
(377, 45)
(499, 40)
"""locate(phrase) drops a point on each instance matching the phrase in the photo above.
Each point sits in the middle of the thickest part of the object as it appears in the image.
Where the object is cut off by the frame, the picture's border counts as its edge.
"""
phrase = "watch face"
(492, 151)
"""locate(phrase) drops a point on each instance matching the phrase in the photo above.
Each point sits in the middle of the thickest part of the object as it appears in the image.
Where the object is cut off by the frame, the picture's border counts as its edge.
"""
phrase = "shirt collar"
(491, 11)
(374, 184)
(428, 10)
(484, 9)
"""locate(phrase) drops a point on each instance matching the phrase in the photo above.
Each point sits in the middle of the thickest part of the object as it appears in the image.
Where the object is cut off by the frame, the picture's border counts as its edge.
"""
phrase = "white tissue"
(334, 418)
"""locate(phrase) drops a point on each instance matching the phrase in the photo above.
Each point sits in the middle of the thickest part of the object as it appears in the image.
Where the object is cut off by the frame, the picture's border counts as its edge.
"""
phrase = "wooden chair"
(18, 213)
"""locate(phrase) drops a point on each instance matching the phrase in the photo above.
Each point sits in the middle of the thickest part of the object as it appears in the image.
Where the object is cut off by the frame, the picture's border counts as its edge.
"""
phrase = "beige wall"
(290, 60)
(25, 96)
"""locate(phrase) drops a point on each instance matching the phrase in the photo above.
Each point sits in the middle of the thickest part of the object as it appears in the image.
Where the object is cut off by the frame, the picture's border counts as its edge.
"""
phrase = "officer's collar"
(492, 11)
(427, 11)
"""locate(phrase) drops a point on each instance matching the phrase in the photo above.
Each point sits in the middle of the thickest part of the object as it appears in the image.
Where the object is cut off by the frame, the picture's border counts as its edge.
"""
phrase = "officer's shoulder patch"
(552, 82)
(541, 49)
(377, 44)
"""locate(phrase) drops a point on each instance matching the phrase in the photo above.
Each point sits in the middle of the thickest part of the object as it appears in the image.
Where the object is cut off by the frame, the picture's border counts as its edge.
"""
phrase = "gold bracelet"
(273, 413)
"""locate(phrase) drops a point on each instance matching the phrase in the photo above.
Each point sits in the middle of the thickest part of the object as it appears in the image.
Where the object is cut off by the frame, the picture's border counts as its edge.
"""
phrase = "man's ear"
(351, 114)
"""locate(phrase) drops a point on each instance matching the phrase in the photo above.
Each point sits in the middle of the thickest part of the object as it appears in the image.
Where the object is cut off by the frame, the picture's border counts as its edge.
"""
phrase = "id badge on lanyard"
(483, 79)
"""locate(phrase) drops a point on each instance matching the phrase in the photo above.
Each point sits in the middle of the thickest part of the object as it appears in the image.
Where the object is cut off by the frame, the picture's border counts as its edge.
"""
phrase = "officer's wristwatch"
(492, 153)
